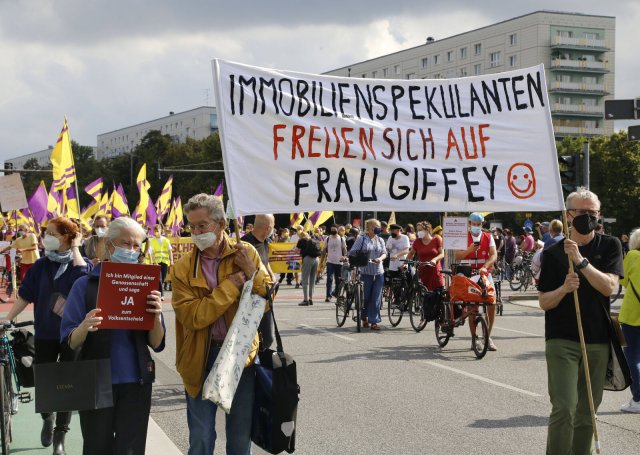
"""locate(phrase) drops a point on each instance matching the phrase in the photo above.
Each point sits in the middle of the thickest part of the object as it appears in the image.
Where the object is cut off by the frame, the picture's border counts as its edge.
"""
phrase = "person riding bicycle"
(481, 254)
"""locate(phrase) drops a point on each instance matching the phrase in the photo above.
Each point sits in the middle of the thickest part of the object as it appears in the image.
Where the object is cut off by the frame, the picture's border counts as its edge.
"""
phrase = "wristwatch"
(583, 264)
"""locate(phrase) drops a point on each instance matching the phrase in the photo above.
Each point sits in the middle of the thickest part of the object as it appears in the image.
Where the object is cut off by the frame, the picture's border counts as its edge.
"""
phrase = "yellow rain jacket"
(197, 308)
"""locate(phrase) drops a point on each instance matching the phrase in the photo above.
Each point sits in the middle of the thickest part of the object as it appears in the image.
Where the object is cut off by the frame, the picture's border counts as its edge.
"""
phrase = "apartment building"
(578, 51)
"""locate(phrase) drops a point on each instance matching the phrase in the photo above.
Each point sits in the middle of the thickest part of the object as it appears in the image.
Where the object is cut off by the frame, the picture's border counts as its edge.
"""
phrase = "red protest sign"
(122, 295)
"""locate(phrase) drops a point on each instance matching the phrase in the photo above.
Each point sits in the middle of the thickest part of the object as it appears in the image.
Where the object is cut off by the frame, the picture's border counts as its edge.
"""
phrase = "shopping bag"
(221, 383)
(276, 399)
(82, 385)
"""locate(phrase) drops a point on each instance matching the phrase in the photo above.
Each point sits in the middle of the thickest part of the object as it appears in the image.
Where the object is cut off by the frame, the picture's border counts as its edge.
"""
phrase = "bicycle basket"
(476, 289)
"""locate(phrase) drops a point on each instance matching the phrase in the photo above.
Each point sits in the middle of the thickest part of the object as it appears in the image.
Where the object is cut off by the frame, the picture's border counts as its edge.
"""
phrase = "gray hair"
(582, 193)
(634, 240)
(213, 204)
(124, 223)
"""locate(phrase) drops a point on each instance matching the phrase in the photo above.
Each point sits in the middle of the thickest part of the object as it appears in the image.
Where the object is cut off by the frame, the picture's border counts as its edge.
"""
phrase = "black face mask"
(394, 235)
(334, 232)
(585, 224)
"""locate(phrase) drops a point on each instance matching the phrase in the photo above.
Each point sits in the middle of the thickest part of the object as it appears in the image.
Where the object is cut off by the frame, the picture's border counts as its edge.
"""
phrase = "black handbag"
(359, 258)
(82, 385)
(618, 376)
(276, 399)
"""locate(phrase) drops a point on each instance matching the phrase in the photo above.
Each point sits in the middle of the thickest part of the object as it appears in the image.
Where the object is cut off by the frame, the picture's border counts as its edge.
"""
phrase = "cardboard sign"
(12, 195)
(122, 295)
(284, 257)
(455, 233)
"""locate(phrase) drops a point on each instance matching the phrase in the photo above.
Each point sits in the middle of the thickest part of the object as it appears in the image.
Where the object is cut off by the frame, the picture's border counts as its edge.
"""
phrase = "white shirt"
(334, 247)
(394, 246)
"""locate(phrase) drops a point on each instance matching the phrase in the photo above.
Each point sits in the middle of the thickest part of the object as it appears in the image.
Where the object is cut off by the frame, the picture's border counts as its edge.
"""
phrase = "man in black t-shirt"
(597, 263)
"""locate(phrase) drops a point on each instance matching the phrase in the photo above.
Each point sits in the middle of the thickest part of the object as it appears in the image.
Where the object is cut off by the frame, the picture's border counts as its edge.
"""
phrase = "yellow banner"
(180, 246)
(284, 257)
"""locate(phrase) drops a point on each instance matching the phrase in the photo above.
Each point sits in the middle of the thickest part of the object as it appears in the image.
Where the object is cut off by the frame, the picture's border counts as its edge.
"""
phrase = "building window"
(451, 73)
(477, 69)
(589, 101)
(425, 63)
(436, 59)
(513, 39)
(564, 33)
(411, 75)
(450, 56)
(463, 53)
(396, 69)
(477, 49)
(463, 71)
(513, 60)
(364, 75)
(374, 74)
(589, 80)
(385, 72)
(437, 76)
(590, 35)
(494, 59)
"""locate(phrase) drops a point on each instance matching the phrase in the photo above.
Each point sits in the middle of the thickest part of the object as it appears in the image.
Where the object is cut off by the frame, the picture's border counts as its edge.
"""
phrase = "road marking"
(482, 378)
(519, 331)
(158, 441)
(317, 329)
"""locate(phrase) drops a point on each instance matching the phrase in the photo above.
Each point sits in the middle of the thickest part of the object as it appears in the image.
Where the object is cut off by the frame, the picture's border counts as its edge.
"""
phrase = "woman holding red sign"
(121, 428)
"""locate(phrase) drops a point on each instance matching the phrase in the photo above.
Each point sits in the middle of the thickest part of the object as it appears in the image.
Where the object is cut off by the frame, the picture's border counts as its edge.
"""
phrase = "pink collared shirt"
(210, 270)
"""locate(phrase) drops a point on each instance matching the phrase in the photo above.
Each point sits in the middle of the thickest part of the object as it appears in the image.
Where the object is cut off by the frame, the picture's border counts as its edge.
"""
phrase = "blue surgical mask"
(475, 230)
(125, 256)
(377, 231)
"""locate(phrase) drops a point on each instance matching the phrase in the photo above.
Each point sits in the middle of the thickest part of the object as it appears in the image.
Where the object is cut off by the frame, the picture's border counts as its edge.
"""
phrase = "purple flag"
(94, 189)
(220, 189)
(55, 208)
(38, 202)
(152, 215)
(314, 217)
(120, 205)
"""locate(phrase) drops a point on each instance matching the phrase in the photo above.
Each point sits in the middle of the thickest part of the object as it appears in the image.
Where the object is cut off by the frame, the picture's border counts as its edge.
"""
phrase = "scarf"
(61, 258)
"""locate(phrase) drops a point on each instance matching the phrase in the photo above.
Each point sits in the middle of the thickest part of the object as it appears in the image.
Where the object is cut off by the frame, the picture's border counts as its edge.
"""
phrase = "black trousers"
(164, 268)
(122, 428)
(48, 351)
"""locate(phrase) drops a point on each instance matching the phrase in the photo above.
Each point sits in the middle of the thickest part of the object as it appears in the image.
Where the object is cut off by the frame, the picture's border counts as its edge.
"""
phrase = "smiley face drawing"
(521, 180)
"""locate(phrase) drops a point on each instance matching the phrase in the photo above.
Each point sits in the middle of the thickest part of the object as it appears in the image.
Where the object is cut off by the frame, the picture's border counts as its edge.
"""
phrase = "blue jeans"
(632, 353)
(372, 294)
(201, 417)
(333, 271)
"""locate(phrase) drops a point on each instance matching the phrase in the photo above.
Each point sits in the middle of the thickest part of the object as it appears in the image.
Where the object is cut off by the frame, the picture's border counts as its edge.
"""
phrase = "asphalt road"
(396, 392)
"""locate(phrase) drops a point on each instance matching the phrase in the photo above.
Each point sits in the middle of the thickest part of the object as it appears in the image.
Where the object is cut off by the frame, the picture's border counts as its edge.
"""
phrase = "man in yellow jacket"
(206, 291)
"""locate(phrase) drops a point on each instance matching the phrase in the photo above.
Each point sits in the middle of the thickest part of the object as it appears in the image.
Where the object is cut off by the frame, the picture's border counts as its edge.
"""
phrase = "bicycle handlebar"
(419, 263)
(15, 325)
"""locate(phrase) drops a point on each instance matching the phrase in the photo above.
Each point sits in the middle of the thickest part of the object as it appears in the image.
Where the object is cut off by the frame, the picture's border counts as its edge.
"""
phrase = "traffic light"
(570, 172)
(158, 170)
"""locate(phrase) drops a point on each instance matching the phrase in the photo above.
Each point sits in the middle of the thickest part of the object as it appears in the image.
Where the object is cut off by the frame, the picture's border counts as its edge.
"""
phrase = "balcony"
(566, 42)
(579, 110)
(578, 87)
(578, 131)
(580, 65)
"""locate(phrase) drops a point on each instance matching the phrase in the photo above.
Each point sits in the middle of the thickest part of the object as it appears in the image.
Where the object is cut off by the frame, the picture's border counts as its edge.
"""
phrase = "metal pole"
(585, 165)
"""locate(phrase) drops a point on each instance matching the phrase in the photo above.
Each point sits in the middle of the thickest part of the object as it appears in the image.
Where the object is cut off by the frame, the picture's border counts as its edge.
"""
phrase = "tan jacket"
(197, 308)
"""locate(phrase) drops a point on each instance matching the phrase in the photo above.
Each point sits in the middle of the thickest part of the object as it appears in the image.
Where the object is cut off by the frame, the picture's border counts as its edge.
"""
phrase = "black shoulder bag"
(277, 394)
(359, 258)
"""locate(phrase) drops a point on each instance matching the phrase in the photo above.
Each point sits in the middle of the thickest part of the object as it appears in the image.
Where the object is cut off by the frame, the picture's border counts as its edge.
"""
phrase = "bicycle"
(521, 276)
(452, 314)
(350, 297)
(407, 295)
(498, 273)
(9, 396)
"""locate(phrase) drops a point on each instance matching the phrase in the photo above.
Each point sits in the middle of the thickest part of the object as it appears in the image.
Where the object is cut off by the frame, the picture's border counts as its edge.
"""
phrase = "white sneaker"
(492, 347)
(631, 406)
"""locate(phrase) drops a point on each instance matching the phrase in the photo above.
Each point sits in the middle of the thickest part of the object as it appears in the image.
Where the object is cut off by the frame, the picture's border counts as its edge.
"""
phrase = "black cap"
(395, 226)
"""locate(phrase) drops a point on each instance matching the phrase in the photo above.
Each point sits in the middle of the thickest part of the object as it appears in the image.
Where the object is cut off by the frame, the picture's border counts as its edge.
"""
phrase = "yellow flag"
(64, 172)
(392, 218)
(90, 211)
(163, 204)
(143, 203)
(324, 216)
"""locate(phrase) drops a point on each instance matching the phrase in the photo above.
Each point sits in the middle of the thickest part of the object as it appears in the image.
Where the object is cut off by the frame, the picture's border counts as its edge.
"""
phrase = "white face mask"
(205, 240)
(100, 231)
(51, 243)
(421, 234)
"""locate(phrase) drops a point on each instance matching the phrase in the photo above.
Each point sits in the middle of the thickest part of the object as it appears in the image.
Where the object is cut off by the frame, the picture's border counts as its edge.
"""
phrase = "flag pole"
(583, 346)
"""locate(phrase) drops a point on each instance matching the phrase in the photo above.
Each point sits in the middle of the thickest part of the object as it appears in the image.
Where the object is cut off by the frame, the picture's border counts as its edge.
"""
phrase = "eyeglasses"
(200, 227)
(579, 212)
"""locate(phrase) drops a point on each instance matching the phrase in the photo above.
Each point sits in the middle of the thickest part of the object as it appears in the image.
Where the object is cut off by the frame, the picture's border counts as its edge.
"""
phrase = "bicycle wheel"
(416, 309)
(358, 300)
(342, 305)
(516, 279)
(395, 306)
(5, 405)
(482, 337)
(442, 324)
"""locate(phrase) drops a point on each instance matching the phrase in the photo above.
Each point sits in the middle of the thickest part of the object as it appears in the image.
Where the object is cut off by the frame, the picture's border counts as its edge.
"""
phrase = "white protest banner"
(12, 196)
(454, 232)
(302, 142)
